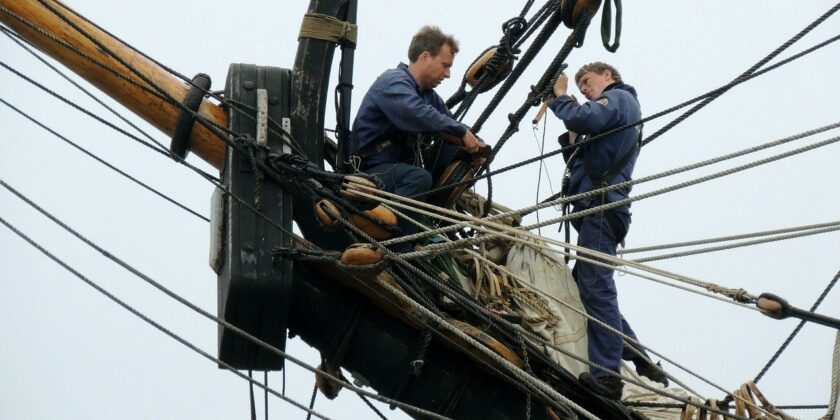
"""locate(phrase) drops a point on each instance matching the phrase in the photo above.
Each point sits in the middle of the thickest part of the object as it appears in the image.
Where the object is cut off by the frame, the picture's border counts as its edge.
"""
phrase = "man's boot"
(654, 373)
(607, 386)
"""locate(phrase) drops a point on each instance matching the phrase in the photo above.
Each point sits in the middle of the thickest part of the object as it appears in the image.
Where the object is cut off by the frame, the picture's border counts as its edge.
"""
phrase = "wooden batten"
(151, 108)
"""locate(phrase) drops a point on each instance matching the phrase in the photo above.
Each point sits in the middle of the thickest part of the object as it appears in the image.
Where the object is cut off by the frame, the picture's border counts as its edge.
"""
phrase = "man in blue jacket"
(606, 161)
(401, 107)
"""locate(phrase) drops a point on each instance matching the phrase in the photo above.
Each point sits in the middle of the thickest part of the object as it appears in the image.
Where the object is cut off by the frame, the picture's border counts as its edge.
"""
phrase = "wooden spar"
(155, 110)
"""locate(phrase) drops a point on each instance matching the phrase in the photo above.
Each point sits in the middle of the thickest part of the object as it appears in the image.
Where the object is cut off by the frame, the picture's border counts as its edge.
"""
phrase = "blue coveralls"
(616, 106)
(395, 110)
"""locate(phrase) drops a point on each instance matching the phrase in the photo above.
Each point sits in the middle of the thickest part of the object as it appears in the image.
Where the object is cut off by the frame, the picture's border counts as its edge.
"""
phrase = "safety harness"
(600, 181)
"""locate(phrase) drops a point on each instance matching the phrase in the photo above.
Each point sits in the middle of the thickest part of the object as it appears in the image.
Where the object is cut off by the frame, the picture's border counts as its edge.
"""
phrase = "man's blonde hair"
(597, 67)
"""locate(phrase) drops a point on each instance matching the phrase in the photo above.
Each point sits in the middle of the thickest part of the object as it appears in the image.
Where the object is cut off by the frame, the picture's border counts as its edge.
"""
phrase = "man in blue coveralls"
(401, 106)
(606, 161)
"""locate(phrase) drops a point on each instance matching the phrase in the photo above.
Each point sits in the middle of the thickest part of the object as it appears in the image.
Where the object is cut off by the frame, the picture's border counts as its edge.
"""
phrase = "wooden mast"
(155, 110)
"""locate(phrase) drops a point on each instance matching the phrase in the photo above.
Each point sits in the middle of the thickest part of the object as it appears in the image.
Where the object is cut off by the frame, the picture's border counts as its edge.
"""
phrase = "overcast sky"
(70, 353)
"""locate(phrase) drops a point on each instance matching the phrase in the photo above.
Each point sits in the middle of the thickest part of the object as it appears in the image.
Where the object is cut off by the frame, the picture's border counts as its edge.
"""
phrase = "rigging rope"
(486, 227)
(213, 127)
(515, 32)
(739, 244)
(208, 315)
(107, 164)
(20, 41)
(835, 373)
(372, 407)
(585, 22)
(745, 74)
(642, 121)
(731, 237)
(549, 344)
(199, 119)
(533, 384)
(573, 308)
(663, 174)
(550, 26)
(85, 111)
(517, 373)
(152, 322)
(233, 104)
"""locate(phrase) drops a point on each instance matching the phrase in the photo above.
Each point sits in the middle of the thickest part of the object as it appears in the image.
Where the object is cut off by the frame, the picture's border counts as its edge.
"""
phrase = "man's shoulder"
(620, 94)
(394, 75)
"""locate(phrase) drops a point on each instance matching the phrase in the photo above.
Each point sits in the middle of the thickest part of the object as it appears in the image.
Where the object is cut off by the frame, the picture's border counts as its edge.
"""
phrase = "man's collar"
(611, 86)
(404, 67)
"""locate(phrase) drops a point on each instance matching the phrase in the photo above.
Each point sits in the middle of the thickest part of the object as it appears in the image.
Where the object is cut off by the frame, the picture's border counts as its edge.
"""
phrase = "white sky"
(70, 353)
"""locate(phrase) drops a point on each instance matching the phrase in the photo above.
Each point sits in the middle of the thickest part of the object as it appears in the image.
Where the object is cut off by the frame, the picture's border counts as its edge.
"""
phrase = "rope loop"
(606, 25)
(513, 27)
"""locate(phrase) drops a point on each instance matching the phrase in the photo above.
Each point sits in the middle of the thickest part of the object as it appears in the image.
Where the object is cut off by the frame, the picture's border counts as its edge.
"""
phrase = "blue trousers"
(405, 180)
(598, 293)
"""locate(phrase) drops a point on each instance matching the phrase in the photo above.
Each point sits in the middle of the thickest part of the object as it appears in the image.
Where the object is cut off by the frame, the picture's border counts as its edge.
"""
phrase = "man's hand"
(471, 143)
(561, 85)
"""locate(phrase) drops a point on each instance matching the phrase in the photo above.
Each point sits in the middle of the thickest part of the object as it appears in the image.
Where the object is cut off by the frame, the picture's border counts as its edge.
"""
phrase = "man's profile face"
(592, 84)
(436, 68)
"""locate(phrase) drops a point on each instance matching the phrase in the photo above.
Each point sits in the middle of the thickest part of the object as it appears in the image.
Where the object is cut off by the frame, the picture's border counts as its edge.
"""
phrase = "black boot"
(654, 373)
(608, 386)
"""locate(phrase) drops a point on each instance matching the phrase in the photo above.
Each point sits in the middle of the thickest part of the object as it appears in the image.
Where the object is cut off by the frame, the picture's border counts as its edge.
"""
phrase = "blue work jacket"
(395, 109)
(616, 106)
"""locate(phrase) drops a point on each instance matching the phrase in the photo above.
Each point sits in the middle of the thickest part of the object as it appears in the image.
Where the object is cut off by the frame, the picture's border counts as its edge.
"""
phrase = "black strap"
(606, 23)
(599, 181)
(618, 228)
(251, 389)
(180, 145)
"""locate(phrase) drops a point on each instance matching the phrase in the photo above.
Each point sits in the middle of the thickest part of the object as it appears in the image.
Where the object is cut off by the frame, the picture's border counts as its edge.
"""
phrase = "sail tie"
(328, 28)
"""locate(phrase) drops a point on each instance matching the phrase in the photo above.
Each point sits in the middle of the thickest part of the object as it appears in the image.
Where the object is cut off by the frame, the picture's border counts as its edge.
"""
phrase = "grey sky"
(71, 354)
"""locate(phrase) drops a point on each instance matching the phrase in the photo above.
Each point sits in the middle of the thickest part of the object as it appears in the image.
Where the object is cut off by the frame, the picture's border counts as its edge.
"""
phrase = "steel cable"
(208, 315)
(152, 322)
(107, 164)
